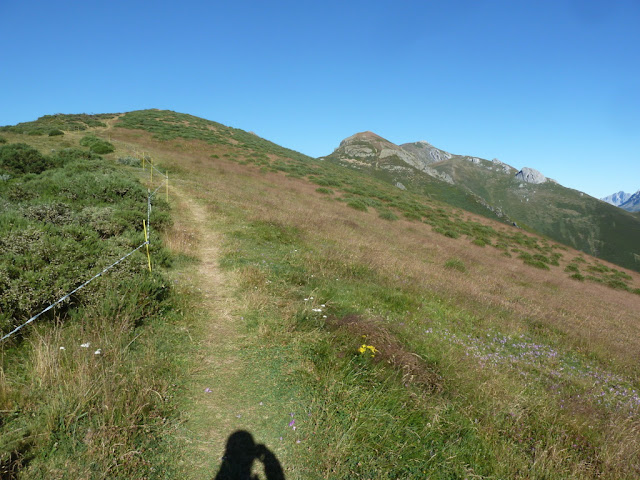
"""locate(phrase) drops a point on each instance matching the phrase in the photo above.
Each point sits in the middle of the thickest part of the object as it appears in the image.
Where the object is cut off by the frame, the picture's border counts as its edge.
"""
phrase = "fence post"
(146, 239)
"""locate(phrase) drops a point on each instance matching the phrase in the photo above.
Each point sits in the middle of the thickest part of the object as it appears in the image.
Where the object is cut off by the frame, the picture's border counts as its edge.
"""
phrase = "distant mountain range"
(627, 201)
(524, 197)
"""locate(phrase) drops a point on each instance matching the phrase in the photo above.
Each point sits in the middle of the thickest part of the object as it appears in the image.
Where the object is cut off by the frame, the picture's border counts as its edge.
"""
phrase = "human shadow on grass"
(239, 455)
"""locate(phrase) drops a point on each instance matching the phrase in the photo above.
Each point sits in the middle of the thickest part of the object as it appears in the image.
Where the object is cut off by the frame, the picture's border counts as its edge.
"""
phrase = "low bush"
(387, 215)
(481, 242)
(97, 145)
(21, 158)
(537, 260)
(357, 204)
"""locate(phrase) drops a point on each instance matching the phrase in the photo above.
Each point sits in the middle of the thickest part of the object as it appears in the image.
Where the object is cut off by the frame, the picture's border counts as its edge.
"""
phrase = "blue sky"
(552, 85)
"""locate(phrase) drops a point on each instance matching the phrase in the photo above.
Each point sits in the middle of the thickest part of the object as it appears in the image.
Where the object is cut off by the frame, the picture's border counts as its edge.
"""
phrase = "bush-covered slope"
(74, 389)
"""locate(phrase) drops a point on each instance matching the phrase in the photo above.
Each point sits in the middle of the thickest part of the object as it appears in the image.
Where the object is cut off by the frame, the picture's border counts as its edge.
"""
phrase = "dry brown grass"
(502, 292)
(595, 317)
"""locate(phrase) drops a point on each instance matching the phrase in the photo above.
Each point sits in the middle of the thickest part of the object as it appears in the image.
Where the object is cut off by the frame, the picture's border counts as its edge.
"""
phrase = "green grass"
(455, 264)
(373, 418)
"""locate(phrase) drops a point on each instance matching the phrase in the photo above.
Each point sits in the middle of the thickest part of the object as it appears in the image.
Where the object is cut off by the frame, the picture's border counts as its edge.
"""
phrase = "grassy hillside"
(491, 360)
(489, 188)
(566, 215)
(400, 336)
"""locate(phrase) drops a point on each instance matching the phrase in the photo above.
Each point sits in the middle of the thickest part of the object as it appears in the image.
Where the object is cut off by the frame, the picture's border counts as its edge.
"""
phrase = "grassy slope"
(486, 365)
(563, 214)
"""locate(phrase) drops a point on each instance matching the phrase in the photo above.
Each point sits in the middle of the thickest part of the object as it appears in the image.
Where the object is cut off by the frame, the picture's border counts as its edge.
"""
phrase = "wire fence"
(147, 233)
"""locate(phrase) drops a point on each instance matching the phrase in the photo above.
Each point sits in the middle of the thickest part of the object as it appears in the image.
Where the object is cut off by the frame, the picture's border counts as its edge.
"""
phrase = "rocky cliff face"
(529, 175)
(425, 152)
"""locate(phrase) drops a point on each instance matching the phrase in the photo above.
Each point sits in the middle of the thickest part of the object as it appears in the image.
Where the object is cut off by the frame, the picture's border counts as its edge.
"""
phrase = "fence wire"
(147, 242)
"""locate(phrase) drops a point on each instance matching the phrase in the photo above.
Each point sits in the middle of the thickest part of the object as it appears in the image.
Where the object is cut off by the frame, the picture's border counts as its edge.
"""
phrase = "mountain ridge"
(524, 196)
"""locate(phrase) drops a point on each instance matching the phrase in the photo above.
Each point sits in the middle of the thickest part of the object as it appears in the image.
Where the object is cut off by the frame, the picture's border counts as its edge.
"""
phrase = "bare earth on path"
(225, 391)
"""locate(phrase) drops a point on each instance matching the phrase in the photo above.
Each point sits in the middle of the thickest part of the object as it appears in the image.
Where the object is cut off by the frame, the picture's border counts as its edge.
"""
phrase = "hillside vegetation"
(491, 188)
(84, 386)
(401, 337)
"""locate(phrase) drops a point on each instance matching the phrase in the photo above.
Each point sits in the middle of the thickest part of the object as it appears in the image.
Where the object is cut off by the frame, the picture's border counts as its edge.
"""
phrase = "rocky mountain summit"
(617, 198)
(633, 203)
(367, 149)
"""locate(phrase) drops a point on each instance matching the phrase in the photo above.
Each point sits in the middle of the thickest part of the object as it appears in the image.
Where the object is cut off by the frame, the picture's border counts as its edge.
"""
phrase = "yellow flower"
(364, 348)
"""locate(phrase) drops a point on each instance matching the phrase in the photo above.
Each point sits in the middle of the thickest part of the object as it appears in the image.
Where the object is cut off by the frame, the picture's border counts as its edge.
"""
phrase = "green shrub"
(577, 276)
(55, 132)
(541, 258)
(598, 268)
(326, 182)
(387, 215)
(455, 264)
(325, 191)
(22, 158)
(412, 216)
(481, 242)
(572, 267)
(621, 275)
(97, 145)
(3, 140)
(536, 261)
(617, 284)
(357, 204)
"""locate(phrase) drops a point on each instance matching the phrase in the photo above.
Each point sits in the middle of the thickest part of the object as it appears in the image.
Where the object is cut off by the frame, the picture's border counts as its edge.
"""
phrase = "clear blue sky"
(552, 85)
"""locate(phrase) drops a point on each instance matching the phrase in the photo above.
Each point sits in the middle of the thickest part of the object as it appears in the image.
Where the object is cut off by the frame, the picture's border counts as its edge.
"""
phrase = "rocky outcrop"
(529, 175)
(508, 169)
(426, 153)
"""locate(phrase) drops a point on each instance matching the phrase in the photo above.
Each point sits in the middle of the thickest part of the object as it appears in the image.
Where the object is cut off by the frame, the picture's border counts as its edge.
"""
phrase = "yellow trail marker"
(146, 239)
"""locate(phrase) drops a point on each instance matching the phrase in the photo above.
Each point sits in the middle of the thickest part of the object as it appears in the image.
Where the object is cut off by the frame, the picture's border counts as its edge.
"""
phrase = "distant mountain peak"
(632, 204)
(367, 136)
(617, 198)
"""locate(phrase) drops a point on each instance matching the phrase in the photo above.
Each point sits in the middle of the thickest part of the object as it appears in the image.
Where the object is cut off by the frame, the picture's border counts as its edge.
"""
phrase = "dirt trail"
(210, 385)
(225, 394)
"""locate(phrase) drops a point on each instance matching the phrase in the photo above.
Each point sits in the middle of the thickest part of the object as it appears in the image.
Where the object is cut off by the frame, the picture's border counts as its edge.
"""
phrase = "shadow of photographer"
(240, 454)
